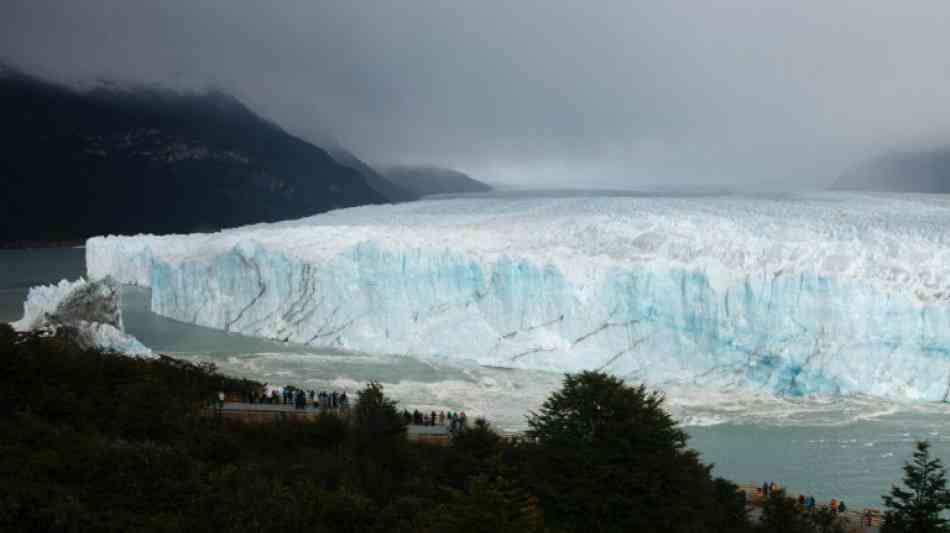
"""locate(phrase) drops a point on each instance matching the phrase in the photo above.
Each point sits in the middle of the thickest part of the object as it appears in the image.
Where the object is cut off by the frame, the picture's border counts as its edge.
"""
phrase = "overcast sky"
(607, 94)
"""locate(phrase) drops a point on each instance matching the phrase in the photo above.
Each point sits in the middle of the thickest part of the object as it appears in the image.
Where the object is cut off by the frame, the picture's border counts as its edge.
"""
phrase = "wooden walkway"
(257, 413)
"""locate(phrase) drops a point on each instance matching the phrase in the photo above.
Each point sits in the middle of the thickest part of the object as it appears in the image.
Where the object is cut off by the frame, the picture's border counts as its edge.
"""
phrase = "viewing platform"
(856, 520)
(256, 413)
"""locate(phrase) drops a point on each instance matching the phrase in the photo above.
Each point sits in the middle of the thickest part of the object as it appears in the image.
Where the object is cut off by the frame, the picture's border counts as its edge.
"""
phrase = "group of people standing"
(805, 503)
(302, 399)
(417, 418)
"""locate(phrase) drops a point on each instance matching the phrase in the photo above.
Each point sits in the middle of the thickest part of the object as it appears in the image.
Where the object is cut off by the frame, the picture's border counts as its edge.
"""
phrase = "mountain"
(383, 186)
(116, 160)
(922, 171)
(424, 180)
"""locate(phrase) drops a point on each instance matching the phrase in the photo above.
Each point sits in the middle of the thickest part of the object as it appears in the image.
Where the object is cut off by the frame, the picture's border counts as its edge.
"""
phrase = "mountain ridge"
(144, 159)
(429, 179)
(915, 170)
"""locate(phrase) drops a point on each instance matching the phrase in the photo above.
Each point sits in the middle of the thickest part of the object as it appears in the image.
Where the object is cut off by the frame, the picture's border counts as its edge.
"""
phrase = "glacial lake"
(849, 448)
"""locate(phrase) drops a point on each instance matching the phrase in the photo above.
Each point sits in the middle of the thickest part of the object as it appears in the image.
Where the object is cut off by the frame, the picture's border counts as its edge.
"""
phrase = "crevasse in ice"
(794, 294)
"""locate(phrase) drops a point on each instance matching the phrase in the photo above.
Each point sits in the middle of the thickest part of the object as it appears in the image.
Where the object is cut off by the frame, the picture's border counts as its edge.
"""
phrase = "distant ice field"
(795, 295)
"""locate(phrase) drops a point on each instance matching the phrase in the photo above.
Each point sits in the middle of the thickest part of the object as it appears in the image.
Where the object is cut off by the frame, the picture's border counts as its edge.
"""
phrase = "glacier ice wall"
(91, 309)
(796, 294)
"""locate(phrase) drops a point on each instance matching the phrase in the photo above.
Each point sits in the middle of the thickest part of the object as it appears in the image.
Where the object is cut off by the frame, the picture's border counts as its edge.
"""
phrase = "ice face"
(797, 294)
(91, 308)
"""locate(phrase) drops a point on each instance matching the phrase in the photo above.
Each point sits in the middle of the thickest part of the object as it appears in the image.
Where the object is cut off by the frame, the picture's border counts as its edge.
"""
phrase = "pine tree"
(489, 506)
(378, 442)
(918, 509)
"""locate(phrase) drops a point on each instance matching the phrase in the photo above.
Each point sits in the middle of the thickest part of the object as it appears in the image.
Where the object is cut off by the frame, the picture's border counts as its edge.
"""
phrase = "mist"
(743, 93)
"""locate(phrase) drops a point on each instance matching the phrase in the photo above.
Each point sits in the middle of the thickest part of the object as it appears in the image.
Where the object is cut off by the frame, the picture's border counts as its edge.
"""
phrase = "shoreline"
(36, 245)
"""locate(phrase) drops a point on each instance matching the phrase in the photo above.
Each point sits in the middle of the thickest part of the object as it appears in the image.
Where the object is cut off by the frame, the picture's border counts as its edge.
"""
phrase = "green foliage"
(606, 456)
(378, 443)
(781, 514)
(488, 506)
(825, 521)
(94, 441)
(918, 508)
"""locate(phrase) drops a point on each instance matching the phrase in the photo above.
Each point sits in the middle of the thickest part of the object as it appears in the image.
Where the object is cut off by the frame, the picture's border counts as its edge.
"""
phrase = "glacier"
(794, 294)
(91, 310)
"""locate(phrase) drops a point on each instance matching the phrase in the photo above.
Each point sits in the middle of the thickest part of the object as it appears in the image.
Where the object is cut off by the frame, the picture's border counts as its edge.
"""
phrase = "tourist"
(834, 506)
(868, 517)
(801, 501)
(344, 400)
(811, 503)
(441, 418)
(765, 489)
(842, 507)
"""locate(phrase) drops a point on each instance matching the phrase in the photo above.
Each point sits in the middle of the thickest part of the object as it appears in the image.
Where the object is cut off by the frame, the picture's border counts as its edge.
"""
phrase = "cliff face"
(921, 171)
(80, 163)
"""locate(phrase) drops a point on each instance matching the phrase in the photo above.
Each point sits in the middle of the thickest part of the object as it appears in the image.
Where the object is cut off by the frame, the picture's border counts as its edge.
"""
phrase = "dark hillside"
(921, 171)
(111, 160)
(424, 180)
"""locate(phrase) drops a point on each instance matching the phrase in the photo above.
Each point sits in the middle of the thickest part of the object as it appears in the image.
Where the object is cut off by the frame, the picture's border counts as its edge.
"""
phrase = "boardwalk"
(266, 412)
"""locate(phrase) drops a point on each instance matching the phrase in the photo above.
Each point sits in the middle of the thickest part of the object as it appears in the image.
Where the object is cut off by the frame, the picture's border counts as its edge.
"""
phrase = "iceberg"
(794, 294)
(91, 309)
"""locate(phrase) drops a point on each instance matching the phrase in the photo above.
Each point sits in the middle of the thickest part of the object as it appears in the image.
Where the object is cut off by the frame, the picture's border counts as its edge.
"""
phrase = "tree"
(379, 443)
(488, 506)
(918, 509)
(826, 521)
(781, 514)
(605, 456)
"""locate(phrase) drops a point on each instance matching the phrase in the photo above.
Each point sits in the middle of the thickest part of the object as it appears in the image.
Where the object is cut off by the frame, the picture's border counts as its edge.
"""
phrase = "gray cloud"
(607, 94)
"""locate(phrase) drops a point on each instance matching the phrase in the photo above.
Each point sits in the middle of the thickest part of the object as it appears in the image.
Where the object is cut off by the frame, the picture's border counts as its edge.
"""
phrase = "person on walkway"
(220, 401)
(842, 507)
(811, 503)
(765, 489)
(344, 400)
(441, 418)
(834, 506)
(868, 517)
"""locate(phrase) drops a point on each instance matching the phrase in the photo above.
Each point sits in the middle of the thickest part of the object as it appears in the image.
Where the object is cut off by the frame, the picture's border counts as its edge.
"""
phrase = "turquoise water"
(851, 449)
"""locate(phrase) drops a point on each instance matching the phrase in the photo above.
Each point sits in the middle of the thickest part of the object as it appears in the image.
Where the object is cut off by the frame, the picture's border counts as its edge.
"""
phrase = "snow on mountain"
(91, 309)
(825, 293)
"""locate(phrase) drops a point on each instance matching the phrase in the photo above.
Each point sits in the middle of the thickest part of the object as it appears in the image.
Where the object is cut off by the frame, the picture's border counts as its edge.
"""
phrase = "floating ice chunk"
(91, 308)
